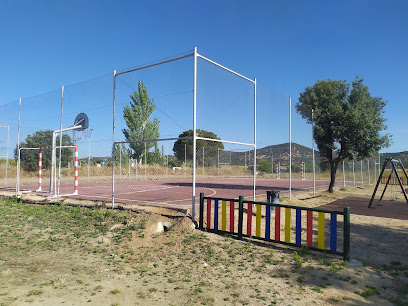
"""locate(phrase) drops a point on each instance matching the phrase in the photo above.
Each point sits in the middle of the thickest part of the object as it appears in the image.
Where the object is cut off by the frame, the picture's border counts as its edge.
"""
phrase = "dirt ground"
(76, 255)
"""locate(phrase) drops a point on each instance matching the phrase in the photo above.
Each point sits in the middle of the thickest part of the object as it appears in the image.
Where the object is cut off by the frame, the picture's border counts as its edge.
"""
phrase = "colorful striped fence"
(210, 207)
(394, 180)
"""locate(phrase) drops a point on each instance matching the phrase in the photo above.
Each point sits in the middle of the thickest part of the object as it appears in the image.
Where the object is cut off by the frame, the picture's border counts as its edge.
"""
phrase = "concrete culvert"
(163, 227)
(167, 226)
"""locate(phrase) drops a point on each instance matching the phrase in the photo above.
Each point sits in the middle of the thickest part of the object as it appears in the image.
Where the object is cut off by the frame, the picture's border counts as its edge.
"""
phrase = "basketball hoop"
(87, 133)
(82, 122)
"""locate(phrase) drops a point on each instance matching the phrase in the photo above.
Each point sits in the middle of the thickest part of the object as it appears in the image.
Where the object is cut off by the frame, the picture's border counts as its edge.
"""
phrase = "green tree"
(184, 147)
(348, 121)
(137, 116)
(122, 154)
(264, 165)
(29, 158)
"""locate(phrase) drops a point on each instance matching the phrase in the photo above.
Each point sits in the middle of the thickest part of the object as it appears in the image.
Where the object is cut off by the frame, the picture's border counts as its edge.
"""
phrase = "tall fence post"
(201, 220)
(240, 216)
(346, 232)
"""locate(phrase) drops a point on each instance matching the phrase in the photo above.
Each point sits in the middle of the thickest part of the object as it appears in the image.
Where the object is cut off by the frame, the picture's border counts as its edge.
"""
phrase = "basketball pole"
(113, 140)
(290, 148)
(18, 149)
(254, 138)
(313, 156)
(60, 149)
(194, 134)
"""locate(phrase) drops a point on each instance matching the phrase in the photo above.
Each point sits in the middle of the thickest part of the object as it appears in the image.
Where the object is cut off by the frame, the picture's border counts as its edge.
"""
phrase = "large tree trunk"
(333, 169)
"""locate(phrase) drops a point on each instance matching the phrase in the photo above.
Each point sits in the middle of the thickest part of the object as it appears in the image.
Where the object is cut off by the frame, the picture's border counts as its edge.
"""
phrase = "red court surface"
(359, 206)
(178, 193)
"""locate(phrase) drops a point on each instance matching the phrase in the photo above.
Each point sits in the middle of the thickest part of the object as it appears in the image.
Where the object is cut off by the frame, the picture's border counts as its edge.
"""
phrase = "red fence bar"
(277, 223)
(249, 220)
(232, 216)
(208, 213)
(309, 228)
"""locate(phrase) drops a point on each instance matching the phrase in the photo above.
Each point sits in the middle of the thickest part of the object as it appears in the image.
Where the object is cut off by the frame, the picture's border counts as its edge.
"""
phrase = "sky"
(286, 45)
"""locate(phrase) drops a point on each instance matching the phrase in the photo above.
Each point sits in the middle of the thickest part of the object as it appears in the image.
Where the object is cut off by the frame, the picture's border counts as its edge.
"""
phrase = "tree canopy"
(137, 116)
(29, 158)
(347, 121)
(184, 147)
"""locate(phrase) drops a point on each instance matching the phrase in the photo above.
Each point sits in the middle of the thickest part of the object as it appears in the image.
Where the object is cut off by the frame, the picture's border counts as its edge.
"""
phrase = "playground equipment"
(214, 211)
(393, 173)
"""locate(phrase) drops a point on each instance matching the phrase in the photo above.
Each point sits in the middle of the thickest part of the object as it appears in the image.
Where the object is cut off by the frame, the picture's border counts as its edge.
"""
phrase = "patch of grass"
(297, 259)
(35, 292)
(335, 298)
(115, 291)
(301, 278)
(370, 291)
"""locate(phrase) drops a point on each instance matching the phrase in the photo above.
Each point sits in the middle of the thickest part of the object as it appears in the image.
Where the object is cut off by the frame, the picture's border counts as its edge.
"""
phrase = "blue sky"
(286, 45)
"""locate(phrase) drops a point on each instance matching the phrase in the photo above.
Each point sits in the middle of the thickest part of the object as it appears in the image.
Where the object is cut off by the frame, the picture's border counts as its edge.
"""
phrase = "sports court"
(178, 193)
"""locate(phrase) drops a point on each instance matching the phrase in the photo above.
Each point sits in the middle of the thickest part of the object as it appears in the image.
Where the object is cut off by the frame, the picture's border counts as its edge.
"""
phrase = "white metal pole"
(375, 169)
(290, 148)
(361, 171)
(230, 163)
(344, 176)
(218, 161)
(194, 134)
(120, 161)
(272, 164)
(254, 138)
(203, 161)
(18, 149)
(113, 139)
(167, 160)
(145, 160)
(53, 158)
(313, 157)
(60, 143)
(8, 133)
(89, 154)
(354, 175)
(368, 171)
(185, 160)
(18, 170)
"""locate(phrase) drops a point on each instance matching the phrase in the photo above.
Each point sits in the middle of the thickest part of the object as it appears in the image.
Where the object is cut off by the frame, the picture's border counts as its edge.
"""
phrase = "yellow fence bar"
(320, 231)
(258, 220)
(224, 216)
(287, 224)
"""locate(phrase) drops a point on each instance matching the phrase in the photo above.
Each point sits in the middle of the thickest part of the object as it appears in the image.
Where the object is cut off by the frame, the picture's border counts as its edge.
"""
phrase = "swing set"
(393, 178)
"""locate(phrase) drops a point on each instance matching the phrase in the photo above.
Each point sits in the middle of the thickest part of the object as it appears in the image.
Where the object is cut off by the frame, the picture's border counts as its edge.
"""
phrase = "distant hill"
(279, 153)
(403, 156)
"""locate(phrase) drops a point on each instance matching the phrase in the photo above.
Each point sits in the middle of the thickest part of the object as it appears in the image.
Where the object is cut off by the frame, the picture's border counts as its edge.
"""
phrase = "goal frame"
(195, 137)
(52, 172)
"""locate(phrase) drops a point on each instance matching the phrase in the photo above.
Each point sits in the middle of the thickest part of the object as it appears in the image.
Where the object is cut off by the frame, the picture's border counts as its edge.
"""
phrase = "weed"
(35, 292)
(298, 260)
(142, 223)
(198, 290)
(335, 299)
(334, 268)
(370, 291)
(115, 291)
(301, 278)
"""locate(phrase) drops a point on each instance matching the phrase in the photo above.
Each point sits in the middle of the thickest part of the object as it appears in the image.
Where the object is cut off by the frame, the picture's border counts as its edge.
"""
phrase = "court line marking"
(189, 199)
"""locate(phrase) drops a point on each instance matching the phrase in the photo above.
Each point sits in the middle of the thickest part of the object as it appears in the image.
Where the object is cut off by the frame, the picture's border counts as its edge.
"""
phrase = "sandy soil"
(45, 260)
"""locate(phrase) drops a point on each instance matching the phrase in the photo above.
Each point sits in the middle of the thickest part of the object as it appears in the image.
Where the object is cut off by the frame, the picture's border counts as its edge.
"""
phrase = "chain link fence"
(139, 146)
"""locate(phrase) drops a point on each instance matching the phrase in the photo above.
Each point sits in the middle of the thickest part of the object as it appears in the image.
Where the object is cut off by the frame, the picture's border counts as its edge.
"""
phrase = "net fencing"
(149, 157)
(8, 143)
